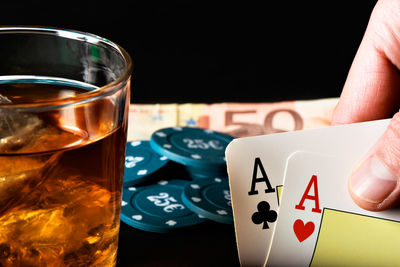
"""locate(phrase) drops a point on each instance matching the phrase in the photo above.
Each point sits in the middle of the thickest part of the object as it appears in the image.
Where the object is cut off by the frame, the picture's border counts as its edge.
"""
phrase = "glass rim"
(88, 96)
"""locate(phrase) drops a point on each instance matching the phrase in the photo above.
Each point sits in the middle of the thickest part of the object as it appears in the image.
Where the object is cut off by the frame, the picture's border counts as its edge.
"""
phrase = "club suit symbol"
(264, 215)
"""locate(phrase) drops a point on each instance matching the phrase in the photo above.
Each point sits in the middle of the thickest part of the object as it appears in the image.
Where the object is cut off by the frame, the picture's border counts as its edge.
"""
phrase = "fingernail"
(372, 181)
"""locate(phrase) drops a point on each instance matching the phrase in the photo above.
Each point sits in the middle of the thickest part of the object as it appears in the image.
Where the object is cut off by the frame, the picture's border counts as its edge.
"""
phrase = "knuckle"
(389, 147)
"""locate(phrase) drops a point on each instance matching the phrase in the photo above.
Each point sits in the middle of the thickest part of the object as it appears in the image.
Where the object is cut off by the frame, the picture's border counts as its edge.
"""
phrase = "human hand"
(372, 91)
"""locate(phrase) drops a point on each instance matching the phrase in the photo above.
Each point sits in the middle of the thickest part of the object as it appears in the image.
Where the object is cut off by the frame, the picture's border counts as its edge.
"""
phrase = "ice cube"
(11, 185)
(77, 238)
(19, 175)
(4, 100)
(16, 129)
(34, 235)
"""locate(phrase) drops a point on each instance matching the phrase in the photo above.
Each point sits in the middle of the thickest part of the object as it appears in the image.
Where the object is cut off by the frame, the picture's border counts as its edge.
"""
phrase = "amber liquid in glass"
(60, 185)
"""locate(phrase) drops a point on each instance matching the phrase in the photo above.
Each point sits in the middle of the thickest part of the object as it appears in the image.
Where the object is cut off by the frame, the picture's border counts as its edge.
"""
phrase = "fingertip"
(342, 113)
(337, 115)
(366, 205)
(372, 186)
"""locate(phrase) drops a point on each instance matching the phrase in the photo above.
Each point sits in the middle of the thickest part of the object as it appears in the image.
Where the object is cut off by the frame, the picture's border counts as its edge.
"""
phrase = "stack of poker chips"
(152, 203)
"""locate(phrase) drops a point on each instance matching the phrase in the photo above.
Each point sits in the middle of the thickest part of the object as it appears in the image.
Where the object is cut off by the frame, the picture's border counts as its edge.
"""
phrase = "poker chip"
(196, 147)
(195, 176)
(158, 207)
(141, 162)
(209, 198)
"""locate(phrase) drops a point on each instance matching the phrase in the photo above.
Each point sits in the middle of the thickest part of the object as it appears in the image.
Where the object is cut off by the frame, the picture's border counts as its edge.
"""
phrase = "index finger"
(372, 88)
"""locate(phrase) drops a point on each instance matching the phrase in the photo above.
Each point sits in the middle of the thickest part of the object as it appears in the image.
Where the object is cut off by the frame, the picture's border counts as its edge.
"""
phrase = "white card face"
(320, 225)
(270, 152)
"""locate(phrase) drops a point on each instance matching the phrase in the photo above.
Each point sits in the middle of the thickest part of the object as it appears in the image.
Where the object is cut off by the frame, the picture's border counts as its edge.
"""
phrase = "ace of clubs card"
(256, 167)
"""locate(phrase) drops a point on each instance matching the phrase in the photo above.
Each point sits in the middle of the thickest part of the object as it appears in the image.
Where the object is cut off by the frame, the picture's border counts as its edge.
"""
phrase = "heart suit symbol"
(303, 231)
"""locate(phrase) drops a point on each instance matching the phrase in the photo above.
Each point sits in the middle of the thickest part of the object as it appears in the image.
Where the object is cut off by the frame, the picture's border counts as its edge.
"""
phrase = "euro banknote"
(236, 119)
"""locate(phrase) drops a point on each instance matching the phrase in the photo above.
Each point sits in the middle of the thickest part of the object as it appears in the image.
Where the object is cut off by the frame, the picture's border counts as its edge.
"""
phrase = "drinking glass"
(64, 98)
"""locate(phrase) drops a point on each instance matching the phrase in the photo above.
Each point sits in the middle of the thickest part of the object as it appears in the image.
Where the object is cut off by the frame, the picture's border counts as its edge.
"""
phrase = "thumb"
(375, 183)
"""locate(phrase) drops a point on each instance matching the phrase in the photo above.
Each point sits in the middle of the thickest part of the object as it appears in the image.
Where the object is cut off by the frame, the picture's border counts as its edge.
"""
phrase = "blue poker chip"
(141, 162)
(210, 198)
(157, 208)
(201, 148)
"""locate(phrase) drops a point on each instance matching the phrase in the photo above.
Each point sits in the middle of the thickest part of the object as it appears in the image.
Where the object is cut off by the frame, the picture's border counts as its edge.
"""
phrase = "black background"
(199, 51)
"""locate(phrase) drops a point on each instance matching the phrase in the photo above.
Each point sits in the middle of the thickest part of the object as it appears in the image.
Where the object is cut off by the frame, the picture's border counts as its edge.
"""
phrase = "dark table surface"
(207, 244)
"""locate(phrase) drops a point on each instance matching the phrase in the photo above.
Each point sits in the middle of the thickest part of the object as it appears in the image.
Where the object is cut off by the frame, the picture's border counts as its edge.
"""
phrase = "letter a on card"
(313, 182)
(258, 166)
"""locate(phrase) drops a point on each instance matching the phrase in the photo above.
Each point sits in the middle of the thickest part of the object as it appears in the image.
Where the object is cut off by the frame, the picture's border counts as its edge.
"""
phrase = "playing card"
(256, 167)
(320, 225)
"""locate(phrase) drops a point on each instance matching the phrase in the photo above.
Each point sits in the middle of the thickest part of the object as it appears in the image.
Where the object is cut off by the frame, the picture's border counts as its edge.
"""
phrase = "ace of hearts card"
(320, 225)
